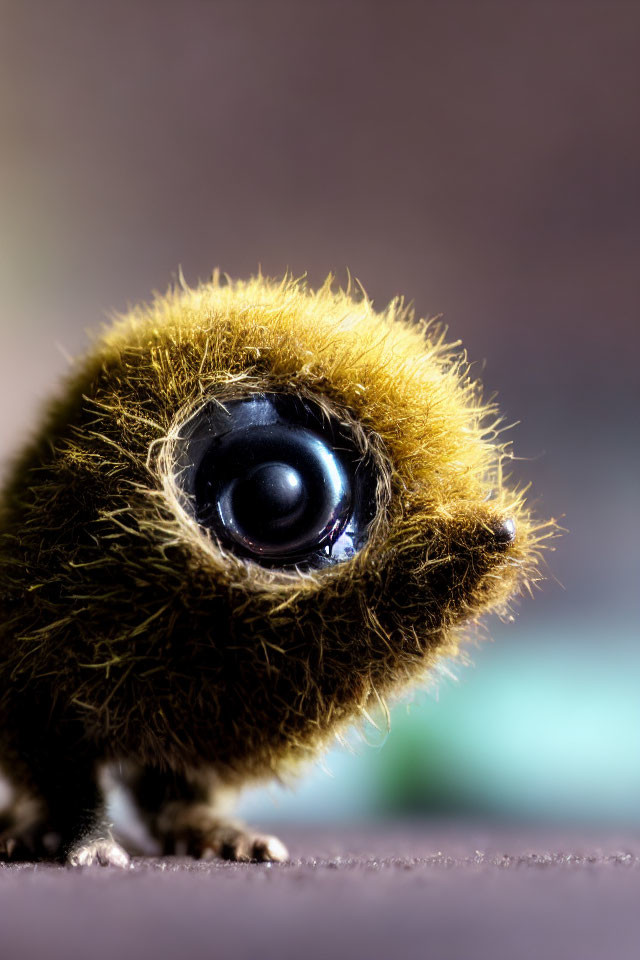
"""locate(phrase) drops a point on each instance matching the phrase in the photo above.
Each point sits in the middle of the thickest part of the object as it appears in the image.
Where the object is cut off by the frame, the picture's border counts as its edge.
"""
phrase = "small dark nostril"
(505, 530)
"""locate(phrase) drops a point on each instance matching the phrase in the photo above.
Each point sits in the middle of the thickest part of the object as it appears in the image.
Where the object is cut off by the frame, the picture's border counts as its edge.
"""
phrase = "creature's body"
(175, 596)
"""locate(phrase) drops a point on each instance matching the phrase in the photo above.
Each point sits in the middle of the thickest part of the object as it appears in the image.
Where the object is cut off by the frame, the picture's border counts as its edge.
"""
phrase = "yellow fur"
(169, 649)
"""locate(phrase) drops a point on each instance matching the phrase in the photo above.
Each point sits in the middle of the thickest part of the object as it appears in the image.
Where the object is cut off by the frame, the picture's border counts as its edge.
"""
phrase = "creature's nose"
(505, 530)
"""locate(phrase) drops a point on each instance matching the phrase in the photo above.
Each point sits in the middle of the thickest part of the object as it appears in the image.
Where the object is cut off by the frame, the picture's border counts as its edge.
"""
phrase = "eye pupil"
(271, 497)
(276, 490)
(277, 480)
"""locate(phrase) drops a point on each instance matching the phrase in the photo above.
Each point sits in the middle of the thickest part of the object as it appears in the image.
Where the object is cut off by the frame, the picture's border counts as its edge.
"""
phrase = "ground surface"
(446, 893)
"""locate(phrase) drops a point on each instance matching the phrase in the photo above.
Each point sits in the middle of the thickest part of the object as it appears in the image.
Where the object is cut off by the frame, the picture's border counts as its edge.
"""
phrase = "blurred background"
(479, 157)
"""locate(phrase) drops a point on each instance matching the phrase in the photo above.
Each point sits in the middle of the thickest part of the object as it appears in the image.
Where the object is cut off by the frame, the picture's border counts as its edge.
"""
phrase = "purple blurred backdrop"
(481, 158)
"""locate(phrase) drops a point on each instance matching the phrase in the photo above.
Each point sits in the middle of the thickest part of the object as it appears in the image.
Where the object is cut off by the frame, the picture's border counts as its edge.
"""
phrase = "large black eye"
(278, 480)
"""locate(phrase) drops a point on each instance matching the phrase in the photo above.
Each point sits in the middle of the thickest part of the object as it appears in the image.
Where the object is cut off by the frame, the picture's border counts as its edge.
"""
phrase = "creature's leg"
(77, 810)
(71, 807)
(187, 817)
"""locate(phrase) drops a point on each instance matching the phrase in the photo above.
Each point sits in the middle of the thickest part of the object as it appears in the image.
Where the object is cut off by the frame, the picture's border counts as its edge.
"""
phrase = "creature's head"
(255, 510)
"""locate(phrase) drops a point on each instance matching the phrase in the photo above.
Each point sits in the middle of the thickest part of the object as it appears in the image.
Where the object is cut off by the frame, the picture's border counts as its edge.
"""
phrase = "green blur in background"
(531, 731)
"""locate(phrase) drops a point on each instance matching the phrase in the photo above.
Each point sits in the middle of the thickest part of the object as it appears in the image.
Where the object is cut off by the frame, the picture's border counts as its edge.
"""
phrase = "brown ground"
(447, 893)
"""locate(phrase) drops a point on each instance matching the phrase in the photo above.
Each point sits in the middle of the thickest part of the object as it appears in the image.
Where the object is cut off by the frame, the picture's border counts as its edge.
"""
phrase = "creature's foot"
(237, 843)
(102, 851)
(39, 842)
(196, 831)
(20, 848)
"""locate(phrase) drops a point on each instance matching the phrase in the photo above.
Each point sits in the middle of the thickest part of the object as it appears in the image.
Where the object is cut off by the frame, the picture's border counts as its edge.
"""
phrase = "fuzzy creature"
(254, 511)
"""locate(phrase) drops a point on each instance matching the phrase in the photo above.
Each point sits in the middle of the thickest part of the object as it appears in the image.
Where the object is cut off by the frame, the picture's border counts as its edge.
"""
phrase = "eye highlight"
(277, 480)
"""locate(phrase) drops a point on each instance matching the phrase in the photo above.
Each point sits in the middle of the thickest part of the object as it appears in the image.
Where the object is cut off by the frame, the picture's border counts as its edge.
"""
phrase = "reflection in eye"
(278, 481)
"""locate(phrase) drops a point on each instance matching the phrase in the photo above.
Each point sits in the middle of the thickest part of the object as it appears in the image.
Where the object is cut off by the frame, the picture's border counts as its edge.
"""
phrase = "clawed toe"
(269, 849)
(8, 848)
